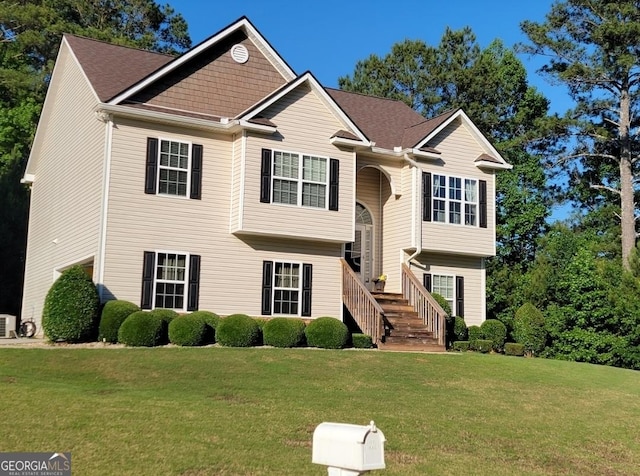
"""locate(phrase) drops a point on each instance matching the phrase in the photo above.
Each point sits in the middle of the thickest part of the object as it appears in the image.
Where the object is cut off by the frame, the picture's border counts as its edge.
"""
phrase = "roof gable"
(213, 83)
(112, 68)
(327, 100)
(242, 25)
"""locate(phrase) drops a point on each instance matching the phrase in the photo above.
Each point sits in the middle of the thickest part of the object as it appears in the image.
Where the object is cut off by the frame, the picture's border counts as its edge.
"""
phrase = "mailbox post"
(348, 450)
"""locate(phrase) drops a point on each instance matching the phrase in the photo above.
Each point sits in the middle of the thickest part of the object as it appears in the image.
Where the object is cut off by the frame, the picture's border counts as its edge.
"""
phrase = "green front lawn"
(203, 411)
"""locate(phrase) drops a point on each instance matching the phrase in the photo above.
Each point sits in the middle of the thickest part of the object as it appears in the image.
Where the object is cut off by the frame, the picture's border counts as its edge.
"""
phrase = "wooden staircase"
(404, 329)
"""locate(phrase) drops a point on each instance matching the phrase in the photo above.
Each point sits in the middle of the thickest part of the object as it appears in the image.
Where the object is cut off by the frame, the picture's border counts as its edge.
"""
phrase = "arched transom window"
(363, 217)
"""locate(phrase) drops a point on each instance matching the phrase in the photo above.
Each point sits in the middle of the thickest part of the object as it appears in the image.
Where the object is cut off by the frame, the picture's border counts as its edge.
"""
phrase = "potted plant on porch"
(380, 282)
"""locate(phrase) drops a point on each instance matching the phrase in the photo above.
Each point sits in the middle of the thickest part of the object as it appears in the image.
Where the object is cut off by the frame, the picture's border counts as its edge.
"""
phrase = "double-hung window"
(455, 200)
(173, 168)
(286, 288)
(302, 180)
(443, 285)
(299, 179)
(170, 280)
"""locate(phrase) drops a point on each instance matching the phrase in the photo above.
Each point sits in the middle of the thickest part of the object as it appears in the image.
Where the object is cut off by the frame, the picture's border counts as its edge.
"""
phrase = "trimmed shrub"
(238, 330)
(113, 315)
(511, 348)
(142, 329)
(484, 345)
(187, 330)
(361, 341)
(529, 328)
(444, 304)
(71, 308)
(284, 332)
(474, 333)
(495, 331)
(327, 333)
(460, 329)
(461, 345)
(211, 320)
(167, 315)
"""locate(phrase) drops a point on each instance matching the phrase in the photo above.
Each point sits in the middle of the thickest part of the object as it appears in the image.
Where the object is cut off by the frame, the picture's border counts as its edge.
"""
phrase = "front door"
(359, 254)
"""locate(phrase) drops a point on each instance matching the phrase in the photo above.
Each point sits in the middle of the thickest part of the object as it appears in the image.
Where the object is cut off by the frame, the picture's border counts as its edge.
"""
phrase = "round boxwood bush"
(211, 320)
(474, 333)
(167, 315)
(71, 307)
(495, 331)
(529, 329)
(142, 329)
(187, 330)
(460, 329)
(327, 333)
(238, 330)
(283, 332)
(361, 341)
(444, 304)
(113, 315)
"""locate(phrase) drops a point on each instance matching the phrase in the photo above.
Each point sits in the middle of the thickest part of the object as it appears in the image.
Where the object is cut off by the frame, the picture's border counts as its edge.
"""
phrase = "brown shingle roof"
(113, 68)
(387, 122)
(345, 135)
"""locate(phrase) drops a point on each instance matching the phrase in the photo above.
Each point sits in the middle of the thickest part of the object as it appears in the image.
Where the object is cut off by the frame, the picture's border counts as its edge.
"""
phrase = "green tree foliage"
(529, 329)
(30, 34)
(71, 307)
(592, 48)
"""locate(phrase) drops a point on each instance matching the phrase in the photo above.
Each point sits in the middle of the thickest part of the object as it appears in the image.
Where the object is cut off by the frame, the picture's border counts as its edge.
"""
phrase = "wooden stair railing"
(432, 314)
(361, 304)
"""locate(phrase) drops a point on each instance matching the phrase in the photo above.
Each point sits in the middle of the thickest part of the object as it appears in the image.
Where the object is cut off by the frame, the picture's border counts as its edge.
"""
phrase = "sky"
(329, 37)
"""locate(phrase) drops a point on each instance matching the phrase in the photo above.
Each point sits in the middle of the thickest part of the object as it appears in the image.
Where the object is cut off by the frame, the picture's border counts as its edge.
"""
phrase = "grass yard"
(203, 411)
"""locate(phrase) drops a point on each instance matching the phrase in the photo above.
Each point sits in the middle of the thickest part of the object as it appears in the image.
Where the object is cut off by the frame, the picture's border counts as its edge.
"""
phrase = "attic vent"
(239, 53)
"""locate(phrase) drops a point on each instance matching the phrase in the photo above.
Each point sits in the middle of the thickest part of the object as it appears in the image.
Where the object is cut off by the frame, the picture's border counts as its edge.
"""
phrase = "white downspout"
(106, 179)
(414, 212)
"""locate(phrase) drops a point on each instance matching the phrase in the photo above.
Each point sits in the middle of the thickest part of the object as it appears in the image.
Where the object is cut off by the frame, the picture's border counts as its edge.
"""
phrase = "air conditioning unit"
(7, 324)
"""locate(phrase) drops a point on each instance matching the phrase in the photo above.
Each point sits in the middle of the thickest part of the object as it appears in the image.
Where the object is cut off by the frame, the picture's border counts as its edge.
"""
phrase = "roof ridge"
(369, 96)
(105, 42)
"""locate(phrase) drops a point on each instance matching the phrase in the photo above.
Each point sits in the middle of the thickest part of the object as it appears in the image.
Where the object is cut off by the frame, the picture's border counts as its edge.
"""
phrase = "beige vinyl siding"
(472, 269)
(64, 222)
(397, 229)
(237, 175)
(459, 150)
(305, 125)
(231, 266)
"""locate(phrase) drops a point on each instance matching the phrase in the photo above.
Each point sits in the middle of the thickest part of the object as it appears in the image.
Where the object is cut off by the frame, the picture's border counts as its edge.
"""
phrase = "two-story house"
(222, 180)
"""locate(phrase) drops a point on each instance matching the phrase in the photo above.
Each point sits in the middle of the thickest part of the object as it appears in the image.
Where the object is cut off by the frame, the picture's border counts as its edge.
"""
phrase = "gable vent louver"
(239, 53)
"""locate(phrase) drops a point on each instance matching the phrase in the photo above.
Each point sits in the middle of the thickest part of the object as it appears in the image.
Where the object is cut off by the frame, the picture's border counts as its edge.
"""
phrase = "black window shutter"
(483, 203)
(267, 287)
(265, 177)
(148, 272)
(152, 165)
(196, 171)
(193, 293)
(307, 271)
(426, 196)
(426, 281)
(460, 296)
(334, 182)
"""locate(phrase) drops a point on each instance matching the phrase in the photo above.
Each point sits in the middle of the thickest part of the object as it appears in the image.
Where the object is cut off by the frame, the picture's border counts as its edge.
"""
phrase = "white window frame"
(449, 200)
(451, 301)
(179, 169)
(282, 288)
(300, 180)
(184, 282)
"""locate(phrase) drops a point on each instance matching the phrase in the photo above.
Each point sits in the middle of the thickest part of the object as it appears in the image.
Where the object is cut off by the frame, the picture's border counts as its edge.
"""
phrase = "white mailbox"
(355, 448)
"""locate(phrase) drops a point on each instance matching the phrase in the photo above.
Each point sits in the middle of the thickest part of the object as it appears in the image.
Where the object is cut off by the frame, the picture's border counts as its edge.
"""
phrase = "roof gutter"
(224, 125)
